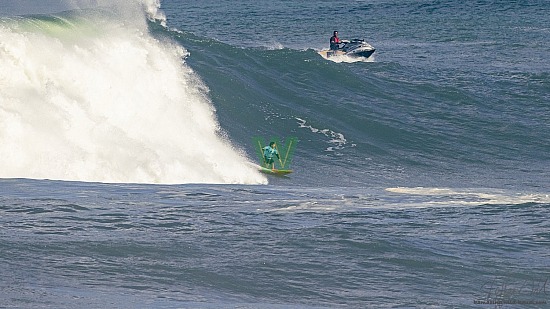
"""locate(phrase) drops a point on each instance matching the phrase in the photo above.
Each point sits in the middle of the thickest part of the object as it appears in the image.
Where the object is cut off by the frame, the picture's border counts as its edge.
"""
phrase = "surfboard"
(275, 171)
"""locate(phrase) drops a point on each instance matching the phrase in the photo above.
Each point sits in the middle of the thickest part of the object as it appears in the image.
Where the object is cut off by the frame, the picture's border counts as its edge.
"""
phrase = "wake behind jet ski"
(353, 48)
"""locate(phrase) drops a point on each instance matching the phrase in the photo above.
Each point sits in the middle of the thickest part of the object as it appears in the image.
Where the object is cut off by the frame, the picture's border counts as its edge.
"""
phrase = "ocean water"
(128, 178)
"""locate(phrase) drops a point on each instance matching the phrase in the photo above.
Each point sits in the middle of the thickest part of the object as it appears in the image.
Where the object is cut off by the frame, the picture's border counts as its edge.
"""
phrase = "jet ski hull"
(366, 53)
(354, 48)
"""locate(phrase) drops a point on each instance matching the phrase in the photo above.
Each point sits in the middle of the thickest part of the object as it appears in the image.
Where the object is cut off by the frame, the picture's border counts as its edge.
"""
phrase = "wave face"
(458, 105)
(382, 123)
(90, 95)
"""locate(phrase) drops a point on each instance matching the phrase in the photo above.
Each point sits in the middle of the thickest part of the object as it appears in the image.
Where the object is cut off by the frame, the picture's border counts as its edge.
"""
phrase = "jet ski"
(353, 48)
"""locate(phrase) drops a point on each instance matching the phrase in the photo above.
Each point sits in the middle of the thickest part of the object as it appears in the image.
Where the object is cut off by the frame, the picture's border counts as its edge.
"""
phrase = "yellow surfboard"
(275, 171)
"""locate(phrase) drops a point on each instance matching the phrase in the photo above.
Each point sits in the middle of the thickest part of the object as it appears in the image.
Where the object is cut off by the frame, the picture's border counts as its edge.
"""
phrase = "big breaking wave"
(91, 96)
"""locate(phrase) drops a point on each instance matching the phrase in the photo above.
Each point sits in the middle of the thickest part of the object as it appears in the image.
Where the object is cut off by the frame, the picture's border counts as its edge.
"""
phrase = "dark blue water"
(421, 176)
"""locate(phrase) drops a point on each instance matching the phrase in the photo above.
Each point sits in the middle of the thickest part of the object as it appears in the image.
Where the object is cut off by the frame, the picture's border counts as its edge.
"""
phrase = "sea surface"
(129, 136)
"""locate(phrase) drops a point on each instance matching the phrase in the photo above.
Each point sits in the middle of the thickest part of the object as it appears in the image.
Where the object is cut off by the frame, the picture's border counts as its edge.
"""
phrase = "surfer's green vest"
(270, 152)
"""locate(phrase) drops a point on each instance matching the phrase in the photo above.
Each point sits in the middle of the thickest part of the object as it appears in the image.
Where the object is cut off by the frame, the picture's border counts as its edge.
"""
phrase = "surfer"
(335, 41)
(269, 152)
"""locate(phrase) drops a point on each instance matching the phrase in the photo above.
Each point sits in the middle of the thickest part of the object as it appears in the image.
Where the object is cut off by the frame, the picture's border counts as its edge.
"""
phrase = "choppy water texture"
(421, 177)
(198, 246)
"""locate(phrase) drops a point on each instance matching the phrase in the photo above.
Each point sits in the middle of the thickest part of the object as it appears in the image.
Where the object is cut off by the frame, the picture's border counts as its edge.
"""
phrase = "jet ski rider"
(335, 41)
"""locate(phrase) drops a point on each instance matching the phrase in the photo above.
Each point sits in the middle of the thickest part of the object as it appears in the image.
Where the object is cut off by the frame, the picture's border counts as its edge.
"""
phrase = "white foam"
(349, 59)
(108, 104)
(446, 196)
(338, 140)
